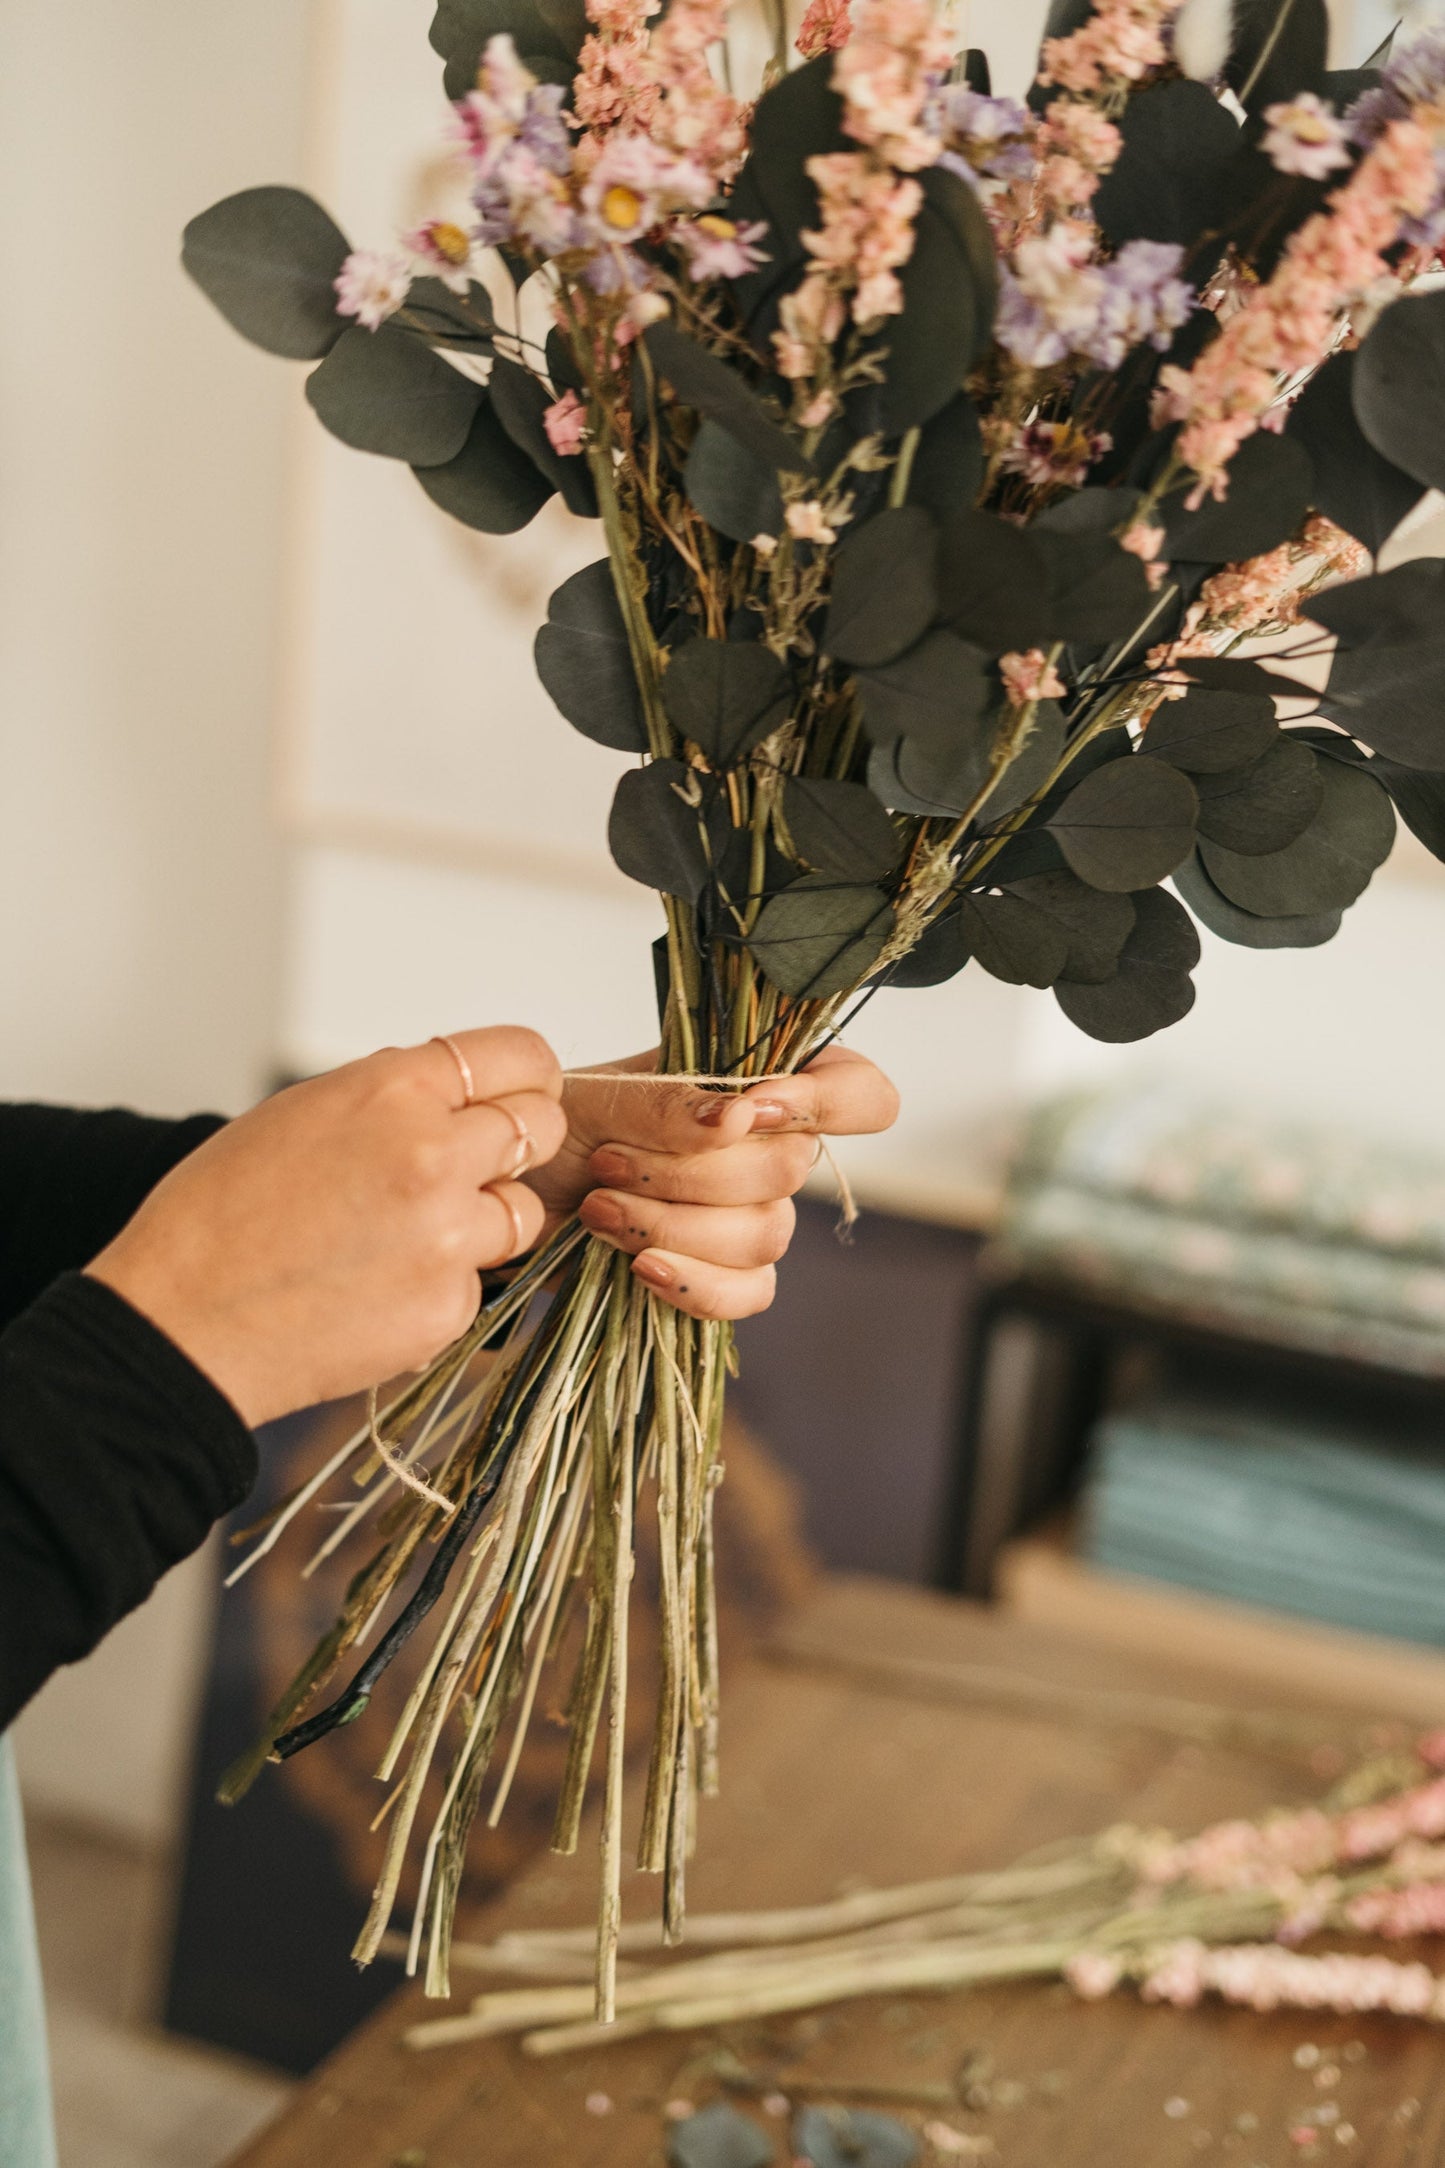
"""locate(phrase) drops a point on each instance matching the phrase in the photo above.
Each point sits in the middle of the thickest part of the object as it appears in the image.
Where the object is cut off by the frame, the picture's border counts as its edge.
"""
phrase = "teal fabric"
(27, 2136)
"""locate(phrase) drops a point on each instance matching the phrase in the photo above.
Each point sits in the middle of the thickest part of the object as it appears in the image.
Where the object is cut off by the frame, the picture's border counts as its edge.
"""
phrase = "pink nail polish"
(604, 1214)
(653, 1270)
(770, 1113)
(611, 1167)
(711, 1113)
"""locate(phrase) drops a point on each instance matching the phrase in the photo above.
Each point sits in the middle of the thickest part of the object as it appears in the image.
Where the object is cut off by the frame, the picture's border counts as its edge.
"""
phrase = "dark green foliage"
(711, 387)
(1096, 924)
(1324, 869)
(1245, 928)
(1264, 805)
(1127, 825)
(993, 583)
(463, 321)
(852, 2138)
(585, 664)
(1205, 733)
(1387, 676)
(718, 2137)
(1013, 940)
(654, 834)
(269, 258)
(821, 936)
(929, 778)
(490, 484)
(724, 696)
(1031, 768)
(934, 693)
(386, 392)
(521, 400)
(1171, 182)
(1399, 387)
(1151, 987)
(1271, 484)
(884, 587)
(950, 291)
(839, 828)
(730, 487)
(1279, 47)
(948, 465)
(1355, 485)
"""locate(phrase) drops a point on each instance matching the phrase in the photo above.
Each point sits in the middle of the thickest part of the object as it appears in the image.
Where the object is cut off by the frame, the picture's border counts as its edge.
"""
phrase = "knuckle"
(421, 1166)
(797, 1157)
(779, 1222)
(530, 1051)
(763, 1286)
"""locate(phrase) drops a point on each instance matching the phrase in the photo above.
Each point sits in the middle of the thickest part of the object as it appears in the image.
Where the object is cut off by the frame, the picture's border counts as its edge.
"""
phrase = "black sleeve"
(116, 1456)
(69, 1181)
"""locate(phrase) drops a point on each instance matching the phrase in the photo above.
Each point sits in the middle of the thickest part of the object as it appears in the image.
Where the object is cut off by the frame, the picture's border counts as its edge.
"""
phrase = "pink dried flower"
(1030, 676)
(1306, 137)
(371, 286)
(1264, 1977)
(1093, 1974)
(1054, 454)
(826, 26)
(1431, 1749)
(1418, 1909)
(884, 72)
(808, 524)
(446, 251)
(565, 422)
(1119, 44)
(717, 248)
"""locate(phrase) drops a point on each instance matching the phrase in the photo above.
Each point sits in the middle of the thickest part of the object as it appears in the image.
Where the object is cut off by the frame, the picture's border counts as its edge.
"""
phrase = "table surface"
(840, 1769)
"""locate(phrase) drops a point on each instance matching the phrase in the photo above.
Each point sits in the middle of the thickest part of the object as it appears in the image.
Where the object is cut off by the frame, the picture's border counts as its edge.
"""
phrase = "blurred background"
(280, 786)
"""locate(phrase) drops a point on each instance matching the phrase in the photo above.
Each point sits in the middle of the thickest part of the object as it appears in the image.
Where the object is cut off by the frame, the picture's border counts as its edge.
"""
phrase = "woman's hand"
(333, 1236)
(698, 1185)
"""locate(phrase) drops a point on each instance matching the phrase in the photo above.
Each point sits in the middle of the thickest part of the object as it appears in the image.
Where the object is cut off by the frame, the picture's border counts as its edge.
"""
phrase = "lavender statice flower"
(1144, 302)
(986, 140)
(1056, 300)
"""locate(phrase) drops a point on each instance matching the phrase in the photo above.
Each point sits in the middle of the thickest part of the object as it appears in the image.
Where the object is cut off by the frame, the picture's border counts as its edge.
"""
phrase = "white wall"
(142, 472)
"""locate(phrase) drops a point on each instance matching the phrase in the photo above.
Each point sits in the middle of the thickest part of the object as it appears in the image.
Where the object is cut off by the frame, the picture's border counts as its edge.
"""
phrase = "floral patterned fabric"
(1314, 1237)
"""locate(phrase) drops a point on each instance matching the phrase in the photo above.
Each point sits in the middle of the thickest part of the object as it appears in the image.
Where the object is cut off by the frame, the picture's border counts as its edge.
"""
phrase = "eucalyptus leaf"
(712, 388)
(1207, 733)
(950, 291)
(939, 954)
(839, 828)
(1245, 928)
(1355, 485)
(935, 692)
(821, 936)
(718, 2137)
(852, 2138)
(1265, 805)
(1278, 47)
(520, 401)
(994, 584)
(654, 834)
(1399, 608)
(1151, 988)
(948, 466)
(1387, 675)
(1032, 765)
(1270, 484)
(1327, 867)
(799, 118)
(462, 29)
(730, 487)
(386, 392)
(1095, 924)
(490, 485)
(585, 664)
(725, 695)
(1098, 590)
(269, 259)
(884, 587)
(1013, 939)
(1127, 825)
(1171, 180)
(932, 781)
(1398, 382)
(1419, 801)
(1237, 674)
(465, 322)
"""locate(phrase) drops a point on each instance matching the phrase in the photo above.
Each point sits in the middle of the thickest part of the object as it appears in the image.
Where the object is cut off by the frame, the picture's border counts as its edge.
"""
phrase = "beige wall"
(142, 475)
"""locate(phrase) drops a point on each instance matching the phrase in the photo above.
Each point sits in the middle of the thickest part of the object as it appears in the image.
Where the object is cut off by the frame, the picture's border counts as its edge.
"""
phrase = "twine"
(391, 1457)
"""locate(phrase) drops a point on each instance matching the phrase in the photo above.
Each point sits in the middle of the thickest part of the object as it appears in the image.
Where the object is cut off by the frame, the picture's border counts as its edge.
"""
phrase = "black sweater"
(116, 1453)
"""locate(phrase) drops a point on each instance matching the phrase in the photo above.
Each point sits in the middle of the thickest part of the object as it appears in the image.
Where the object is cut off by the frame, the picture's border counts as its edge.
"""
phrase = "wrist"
(203, 1337)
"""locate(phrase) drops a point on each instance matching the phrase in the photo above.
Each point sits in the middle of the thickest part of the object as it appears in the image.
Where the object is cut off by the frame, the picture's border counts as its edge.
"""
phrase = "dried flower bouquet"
(945, 450)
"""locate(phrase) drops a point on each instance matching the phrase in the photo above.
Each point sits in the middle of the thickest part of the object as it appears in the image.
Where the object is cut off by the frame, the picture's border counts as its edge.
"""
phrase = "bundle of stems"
(1082, 1902)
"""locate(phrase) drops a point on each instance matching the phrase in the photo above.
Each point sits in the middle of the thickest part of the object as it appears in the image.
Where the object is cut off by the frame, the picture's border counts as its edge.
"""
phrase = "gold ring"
(519, 1237)
(526, 1142)
(464, 1068)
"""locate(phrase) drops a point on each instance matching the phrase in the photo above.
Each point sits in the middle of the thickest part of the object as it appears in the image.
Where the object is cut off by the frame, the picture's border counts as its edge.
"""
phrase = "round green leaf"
(1327, 867)
(386, 392)
(1401, 608)
(520, 401)
(585, 663)
(1206, 733)
(269, 259)
(1098, 590)
(1127, 825)
(939, 954)
(1270, 485)
(1355, 485)
(1013, 939)
(1095, 924)
(950, 289)
(1277, 47)
(1398, 380)
(725, 695)
(933, 693)
(732, 489)
(711, 387)
(718, 2137)
(1171, 179)
(839, 828)
(490, 485)
(994, 587)
(1419, 801)
(948, 466)
(1152, 986)
(852, 2138)
(884, 587)
(821, 936)
(1032, 765)
(1243, 928)
(930, 780)
(655, 835)
(465, 322)
(1264, 806)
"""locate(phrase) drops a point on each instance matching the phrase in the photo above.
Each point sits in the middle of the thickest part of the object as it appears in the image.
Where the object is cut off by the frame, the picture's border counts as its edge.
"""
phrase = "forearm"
(117, 1456)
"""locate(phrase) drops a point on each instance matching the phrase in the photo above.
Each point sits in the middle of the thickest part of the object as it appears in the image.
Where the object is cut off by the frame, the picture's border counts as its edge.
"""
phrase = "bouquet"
(947, 452)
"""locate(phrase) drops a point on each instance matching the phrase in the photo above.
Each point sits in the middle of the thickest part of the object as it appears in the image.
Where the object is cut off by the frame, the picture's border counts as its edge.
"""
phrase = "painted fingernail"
(770, 1114)
(604, 1214)
(611, 1166)
(711, 1113)
(653, 1270)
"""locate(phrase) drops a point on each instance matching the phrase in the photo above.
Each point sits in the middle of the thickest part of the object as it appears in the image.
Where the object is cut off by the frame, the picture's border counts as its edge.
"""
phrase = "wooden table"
(839, 1768)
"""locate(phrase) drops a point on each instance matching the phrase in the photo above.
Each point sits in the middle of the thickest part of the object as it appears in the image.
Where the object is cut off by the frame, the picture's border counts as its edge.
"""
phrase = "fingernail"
(653, 1270)
(770, 1113)
(611, 1166)
(712, 1112)
(604, 1214)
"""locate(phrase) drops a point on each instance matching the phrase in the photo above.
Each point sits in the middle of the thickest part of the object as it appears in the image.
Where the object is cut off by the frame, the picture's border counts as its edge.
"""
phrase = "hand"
(697, 1185)
(333, 1236)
